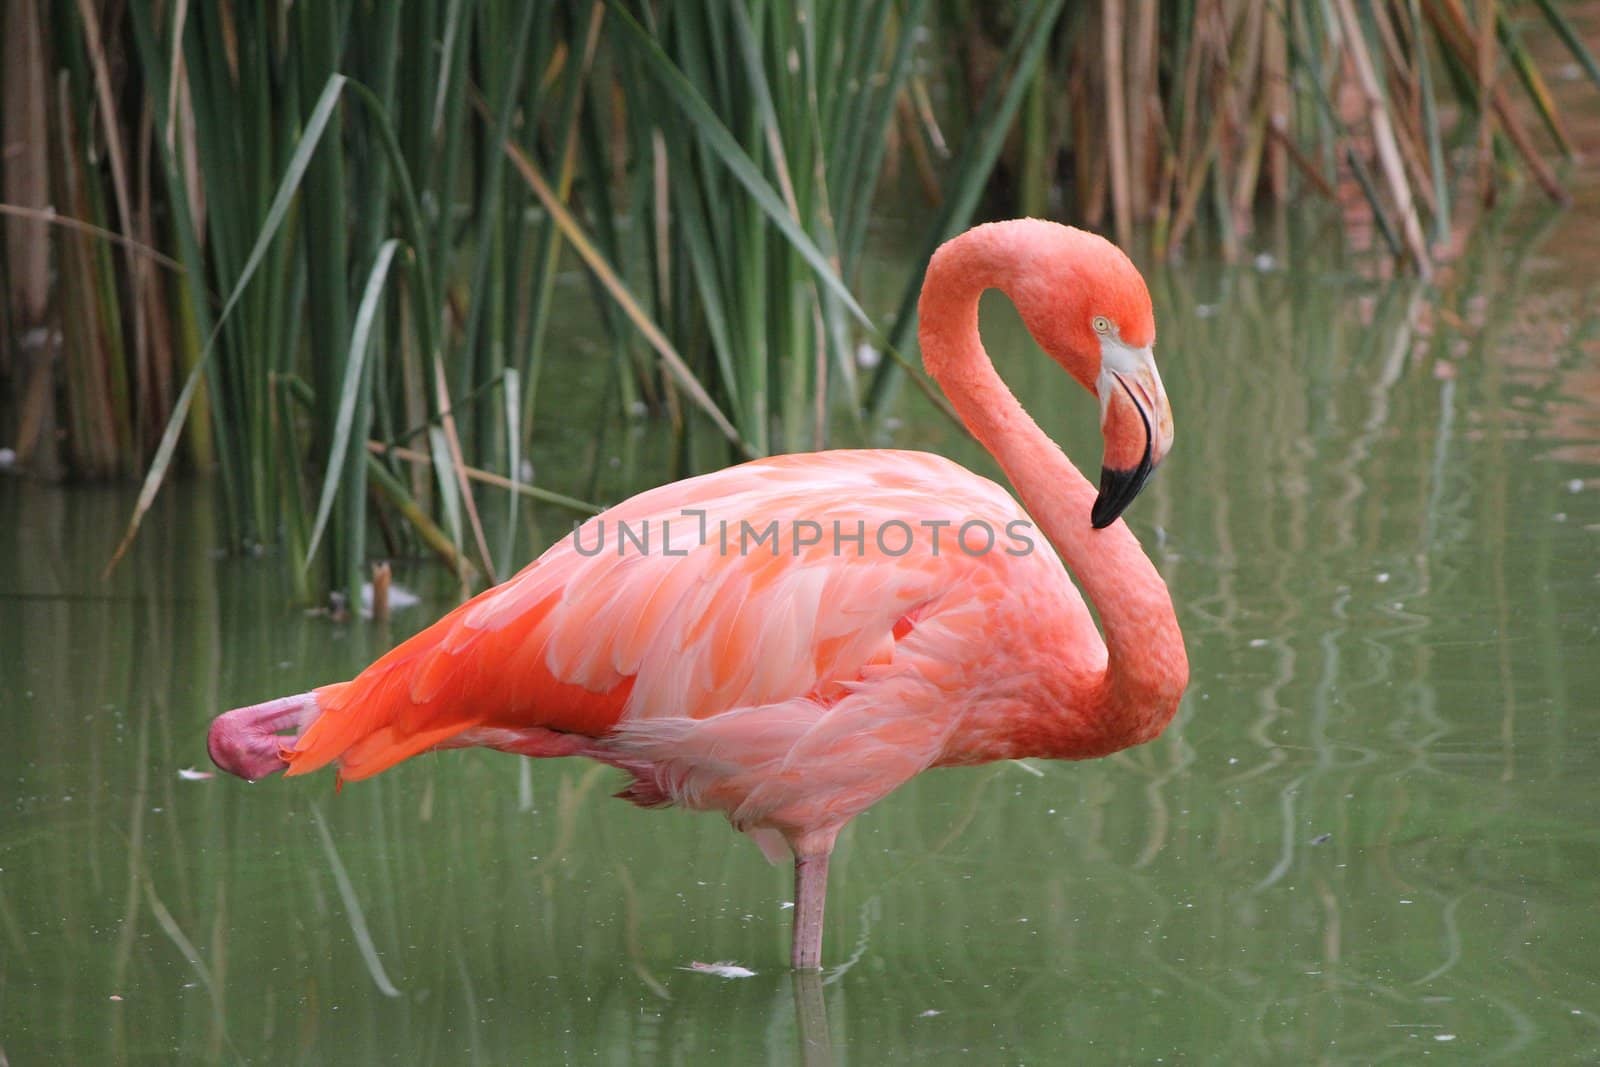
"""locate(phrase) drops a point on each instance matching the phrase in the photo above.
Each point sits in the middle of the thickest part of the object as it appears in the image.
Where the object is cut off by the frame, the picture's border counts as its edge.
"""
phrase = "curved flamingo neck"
(1146, 667)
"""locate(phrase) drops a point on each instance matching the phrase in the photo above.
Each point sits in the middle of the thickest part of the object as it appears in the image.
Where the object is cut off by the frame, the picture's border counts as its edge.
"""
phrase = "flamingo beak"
(1137, 425)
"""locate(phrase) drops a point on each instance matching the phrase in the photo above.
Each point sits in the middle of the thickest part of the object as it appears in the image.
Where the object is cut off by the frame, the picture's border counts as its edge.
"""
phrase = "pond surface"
(1370, 836)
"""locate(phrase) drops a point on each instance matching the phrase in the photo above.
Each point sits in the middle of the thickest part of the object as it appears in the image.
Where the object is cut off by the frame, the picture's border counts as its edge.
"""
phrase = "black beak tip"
(1117, 490)
(1118, 487)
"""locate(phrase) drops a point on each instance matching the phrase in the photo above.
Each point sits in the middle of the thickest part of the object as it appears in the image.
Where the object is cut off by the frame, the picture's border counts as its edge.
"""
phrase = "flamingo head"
(1090, 310)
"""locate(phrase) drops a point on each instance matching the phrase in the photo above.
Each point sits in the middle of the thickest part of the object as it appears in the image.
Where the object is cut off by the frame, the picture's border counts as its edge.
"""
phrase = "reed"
(320, 249)
(1197, 112)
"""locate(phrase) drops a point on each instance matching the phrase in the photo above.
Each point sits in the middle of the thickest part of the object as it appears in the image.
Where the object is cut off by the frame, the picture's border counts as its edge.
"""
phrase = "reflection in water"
(811, 1019)
(1369, 834)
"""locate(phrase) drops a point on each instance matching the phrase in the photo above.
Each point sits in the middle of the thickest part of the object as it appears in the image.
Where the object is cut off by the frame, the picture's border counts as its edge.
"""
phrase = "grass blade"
(449, 498)
(532, 492)
(354, 373)
(316, 124)
(457, 465)
(402, 501)
(512, 382)
(993, 123)
(50, 217)
(739, 164)
(623, 296)
(1570, 38)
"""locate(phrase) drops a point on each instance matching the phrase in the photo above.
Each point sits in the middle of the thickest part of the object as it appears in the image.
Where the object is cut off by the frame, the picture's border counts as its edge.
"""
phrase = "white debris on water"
(724, 969)
(189, 774)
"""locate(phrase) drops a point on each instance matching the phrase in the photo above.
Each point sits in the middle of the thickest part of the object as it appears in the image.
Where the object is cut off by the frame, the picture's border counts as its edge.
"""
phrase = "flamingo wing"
(685, 602)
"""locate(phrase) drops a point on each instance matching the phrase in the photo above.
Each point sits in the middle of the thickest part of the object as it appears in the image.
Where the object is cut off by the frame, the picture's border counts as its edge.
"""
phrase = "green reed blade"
(1430, 120)
(623, 296)
(1570, 38)
(354, 380)
(716, 135)
(512, 382)
(1533, 82)
(316, 124)
(992, 125)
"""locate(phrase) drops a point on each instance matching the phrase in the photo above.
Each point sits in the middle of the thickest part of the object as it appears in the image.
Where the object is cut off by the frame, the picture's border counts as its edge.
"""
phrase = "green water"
(1370, 836)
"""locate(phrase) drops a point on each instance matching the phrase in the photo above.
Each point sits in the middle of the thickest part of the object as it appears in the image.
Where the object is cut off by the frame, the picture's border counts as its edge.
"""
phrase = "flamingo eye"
(1101, 324)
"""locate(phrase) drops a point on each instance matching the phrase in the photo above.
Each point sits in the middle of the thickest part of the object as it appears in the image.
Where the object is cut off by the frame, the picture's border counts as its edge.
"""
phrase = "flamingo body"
(789, 640)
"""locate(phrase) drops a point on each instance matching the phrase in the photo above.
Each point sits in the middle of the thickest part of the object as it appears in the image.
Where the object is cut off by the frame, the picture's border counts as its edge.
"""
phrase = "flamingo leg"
(810, 895)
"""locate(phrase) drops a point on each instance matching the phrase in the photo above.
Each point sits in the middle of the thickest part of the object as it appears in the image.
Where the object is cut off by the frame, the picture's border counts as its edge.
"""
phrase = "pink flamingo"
(789, 640)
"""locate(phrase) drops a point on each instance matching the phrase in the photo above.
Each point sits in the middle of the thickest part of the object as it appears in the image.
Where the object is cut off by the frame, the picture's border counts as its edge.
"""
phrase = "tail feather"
(452, 681)
(369, 724)
(344, 724)
(383, 748)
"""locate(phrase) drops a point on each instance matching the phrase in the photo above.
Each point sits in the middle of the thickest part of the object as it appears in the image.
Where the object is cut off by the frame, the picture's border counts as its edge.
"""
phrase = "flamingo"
(788, 640)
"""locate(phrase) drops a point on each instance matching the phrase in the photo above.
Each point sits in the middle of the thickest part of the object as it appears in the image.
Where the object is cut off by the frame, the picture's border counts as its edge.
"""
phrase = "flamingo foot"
(248, 742)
